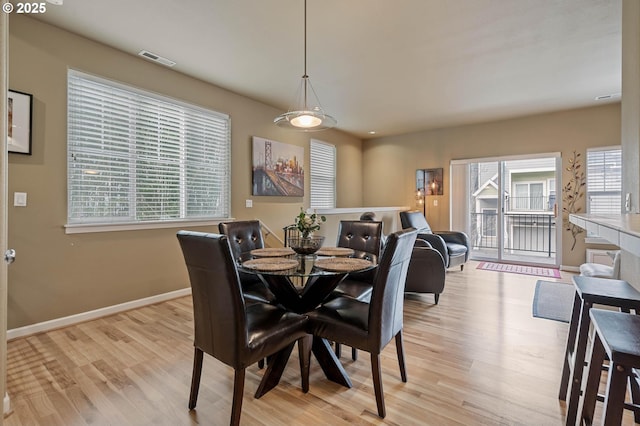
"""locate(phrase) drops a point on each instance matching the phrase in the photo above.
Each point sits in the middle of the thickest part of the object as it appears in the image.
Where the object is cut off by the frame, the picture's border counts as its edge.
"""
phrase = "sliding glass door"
(507, 206)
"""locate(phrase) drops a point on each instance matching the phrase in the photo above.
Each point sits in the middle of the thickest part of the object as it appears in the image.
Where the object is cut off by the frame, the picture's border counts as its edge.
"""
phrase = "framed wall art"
(278, 168)
(19, 110)
(430, 181)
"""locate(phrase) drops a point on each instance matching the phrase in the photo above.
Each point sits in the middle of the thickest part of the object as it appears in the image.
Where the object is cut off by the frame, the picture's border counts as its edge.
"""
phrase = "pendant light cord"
(305, 40)
(307, 114)
(305, 77)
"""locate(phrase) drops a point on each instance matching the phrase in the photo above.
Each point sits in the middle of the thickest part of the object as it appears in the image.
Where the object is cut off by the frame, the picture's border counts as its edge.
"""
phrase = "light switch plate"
(248, 203)
(20, 199)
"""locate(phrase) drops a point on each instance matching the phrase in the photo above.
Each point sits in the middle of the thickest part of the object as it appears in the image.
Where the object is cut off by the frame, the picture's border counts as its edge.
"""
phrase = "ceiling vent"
(155, 58)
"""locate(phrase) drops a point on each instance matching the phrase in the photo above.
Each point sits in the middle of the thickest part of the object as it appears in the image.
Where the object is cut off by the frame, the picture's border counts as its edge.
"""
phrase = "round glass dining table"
(301, 283)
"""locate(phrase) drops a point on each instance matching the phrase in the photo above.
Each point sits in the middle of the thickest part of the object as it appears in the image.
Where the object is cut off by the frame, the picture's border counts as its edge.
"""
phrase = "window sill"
(137, 226)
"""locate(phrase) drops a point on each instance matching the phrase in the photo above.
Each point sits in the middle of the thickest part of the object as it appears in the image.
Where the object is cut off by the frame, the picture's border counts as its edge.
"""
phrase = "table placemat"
(342, 264)
(272, 252)
(334, 251)
(270, 264)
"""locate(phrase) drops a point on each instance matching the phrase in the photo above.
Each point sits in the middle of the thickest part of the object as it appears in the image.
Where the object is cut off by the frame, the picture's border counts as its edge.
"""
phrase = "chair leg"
(635, 393)
(616, 390)
(304, 353)
(338, 349)
(264, 361)
(354, 354)
(377, 384)
(400, 351)
(238, 389)
(462, 267)
(437, 297)
(593, 379)
(195, 378)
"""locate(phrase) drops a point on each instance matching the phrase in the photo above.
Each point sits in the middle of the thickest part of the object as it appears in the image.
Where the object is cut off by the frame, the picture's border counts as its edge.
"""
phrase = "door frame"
(460, 217)
(4, 87)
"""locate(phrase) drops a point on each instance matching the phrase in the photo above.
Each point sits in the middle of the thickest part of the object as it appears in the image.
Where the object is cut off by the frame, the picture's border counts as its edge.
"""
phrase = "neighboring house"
(529, 200)
(486, 214)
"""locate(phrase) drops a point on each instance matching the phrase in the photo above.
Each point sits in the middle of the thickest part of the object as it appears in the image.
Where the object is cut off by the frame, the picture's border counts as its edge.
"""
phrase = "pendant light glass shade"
(307, 114)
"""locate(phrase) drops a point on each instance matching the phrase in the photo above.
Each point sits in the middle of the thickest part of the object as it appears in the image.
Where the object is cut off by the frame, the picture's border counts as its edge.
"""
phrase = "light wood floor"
(479, 357)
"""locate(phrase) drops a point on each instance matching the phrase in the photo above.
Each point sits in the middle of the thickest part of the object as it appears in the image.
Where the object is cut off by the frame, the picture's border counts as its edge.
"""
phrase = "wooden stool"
(617, 336)
(589, 290)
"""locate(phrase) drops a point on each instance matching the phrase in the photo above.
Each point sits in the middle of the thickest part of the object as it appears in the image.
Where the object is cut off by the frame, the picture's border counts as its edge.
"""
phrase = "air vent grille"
(156, 58)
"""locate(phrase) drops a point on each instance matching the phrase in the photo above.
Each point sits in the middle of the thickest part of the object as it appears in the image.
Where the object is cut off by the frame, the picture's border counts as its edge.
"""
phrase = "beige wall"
(55, 274)
(390, 163)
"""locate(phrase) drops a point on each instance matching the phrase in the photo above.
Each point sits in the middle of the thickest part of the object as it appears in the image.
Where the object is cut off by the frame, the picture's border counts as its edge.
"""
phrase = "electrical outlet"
(248, 203)
(435, 203)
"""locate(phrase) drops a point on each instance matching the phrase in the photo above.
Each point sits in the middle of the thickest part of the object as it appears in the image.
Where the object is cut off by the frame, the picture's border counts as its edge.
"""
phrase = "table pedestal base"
(322, 351)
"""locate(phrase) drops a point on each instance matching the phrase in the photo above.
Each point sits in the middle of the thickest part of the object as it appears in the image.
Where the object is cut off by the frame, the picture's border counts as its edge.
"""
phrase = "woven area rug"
(553, 300)
(520, 269)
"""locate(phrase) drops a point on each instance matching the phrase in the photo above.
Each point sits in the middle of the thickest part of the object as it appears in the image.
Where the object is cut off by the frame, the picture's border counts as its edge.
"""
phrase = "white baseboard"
(90, 315)
(6, 405)
(569, 268)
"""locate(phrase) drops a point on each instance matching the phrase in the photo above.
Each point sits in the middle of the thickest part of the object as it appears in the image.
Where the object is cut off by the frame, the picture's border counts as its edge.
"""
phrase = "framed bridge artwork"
(278, 168)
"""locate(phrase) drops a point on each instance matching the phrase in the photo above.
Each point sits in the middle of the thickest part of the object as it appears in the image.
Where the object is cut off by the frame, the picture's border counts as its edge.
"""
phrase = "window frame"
(592, 238)
(528, 199)
(331, 187)
(605, 178)
(183, 111)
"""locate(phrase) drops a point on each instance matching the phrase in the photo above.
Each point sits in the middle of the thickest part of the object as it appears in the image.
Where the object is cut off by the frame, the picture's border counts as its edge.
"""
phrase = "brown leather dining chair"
(365, 237)
(244, 236)
(371, 326)
(228, 329)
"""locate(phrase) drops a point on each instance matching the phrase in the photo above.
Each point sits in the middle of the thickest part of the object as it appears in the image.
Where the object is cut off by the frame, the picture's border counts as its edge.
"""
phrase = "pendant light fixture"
(307, 114)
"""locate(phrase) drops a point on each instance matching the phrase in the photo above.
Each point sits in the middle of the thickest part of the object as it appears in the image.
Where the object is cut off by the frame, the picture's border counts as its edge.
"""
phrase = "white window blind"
(323, 174)
(604, 180)
(135, 157)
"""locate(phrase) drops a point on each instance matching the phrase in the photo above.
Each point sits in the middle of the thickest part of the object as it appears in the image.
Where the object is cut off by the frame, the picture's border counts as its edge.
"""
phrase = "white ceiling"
(390, 66)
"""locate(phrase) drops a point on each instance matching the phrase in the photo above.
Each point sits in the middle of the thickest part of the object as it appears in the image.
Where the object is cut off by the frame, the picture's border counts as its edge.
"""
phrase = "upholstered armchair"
(426, 270)
(452, 245)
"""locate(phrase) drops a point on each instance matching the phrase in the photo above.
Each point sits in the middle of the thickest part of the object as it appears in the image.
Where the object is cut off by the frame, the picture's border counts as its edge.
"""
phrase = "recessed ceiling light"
(605, 97)
(372, 132)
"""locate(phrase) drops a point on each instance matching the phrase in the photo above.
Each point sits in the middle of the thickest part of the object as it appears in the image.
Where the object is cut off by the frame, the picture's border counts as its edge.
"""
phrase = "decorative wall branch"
(572, 193)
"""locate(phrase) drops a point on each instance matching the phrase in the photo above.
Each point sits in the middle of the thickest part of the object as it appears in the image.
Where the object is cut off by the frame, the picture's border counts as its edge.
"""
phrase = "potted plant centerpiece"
(307, 224)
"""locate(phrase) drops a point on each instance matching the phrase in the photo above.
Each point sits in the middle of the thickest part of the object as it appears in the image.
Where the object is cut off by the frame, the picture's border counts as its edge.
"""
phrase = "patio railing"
(523, 232)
